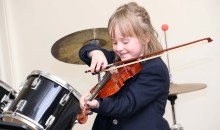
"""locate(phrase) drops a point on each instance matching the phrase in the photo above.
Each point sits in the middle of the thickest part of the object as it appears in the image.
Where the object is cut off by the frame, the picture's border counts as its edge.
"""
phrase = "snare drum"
(45, 103)
(7, 95)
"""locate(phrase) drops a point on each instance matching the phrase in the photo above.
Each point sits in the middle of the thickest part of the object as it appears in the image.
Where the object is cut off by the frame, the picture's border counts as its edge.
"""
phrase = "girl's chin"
(125, 58)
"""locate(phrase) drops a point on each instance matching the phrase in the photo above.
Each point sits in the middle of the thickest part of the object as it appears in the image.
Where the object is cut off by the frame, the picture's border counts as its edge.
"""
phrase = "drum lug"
(5, 97)
(35, 83)
(2, 106)
(20, 87)
(64, 99)
(21, 104)
(50, 121)
(4, 101)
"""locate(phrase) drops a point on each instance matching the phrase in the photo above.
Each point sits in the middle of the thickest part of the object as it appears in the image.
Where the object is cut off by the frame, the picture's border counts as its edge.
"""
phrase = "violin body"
(118, 77)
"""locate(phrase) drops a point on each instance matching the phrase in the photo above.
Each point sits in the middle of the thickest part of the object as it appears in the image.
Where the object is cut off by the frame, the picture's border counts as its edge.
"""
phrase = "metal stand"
(175, 126)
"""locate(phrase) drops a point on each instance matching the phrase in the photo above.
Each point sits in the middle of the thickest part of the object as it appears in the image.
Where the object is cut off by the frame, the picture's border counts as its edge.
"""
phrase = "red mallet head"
(164, 27)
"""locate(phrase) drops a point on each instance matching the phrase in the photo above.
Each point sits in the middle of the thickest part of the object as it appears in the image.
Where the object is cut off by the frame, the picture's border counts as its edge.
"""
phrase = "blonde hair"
(134, 21)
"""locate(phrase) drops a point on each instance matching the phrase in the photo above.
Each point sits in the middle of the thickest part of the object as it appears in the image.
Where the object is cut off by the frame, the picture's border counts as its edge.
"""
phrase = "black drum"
(45, 103)
(7, 96)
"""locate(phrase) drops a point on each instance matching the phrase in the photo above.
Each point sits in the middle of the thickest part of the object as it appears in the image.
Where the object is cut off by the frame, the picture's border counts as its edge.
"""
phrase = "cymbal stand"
(175, 126)
(168, 60)
(172, 98)
(99, 77)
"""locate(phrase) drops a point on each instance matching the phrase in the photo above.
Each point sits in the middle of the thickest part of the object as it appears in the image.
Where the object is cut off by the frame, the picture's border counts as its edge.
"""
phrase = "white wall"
(32, 27)
(6, 71)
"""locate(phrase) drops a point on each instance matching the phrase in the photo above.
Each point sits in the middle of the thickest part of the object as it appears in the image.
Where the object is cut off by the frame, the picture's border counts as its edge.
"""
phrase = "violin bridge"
(113, 70)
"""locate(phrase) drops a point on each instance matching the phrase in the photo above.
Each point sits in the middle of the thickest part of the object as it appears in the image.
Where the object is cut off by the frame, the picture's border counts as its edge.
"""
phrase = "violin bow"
(120, 64)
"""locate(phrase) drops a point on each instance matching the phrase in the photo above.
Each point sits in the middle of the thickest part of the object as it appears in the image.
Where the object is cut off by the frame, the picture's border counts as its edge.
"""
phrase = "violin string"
(99, 86)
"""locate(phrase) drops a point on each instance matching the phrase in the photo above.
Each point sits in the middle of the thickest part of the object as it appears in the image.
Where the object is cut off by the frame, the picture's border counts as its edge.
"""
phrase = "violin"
(111, 83)
(116, 79)
(118, 72)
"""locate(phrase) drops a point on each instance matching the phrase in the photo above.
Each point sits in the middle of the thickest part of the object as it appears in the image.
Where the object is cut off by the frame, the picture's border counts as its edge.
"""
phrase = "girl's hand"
(85, 103)
(99, 61)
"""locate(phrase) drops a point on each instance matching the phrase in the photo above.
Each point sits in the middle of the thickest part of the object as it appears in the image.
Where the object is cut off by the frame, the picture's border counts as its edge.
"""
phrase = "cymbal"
(66, 49)
(184, 88)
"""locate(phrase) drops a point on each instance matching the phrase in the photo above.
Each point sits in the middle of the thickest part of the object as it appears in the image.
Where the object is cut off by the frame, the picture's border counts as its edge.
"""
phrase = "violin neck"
(100, 85)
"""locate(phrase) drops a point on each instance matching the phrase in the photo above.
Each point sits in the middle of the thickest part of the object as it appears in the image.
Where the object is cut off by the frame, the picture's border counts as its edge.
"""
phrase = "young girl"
(140, 103)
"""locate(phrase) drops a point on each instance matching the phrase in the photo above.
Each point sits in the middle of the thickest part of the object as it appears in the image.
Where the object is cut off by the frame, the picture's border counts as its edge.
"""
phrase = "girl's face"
(127, 47)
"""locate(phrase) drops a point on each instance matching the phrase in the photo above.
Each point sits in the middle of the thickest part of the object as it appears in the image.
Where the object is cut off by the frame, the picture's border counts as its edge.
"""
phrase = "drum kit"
(46, 102)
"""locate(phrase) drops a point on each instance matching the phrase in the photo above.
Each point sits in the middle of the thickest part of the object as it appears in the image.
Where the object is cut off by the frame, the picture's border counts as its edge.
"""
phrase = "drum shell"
(43, 102)
(7, 95)
(3, 92)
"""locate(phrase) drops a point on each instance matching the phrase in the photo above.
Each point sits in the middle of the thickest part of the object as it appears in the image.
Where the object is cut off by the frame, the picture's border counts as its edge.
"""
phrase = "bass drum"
(7, 96)
(45, 103)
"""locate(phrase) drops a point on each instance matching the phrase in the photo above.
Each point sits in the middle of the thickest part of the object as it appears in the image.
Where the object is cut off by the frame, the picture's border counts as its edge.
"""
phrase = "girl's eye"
(125, 42)
(114, 42)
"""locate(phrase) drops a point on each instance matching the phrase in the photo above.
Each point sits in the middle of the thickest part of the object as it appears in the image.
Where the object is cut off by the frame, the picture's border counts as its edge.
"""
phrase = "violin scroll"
(83, 116)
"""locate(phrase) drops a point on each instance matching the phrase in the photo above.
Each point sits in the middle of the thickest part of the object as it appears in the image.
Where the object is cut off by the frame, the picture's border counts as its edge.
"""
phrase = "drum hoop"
(57, 80)
(22, 118)
(7, 87)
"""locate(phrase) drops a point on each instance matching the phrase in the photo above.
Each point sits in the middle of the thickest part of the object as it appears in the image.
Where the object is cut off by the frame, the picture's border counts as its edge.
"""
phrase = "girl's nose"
(119, 47)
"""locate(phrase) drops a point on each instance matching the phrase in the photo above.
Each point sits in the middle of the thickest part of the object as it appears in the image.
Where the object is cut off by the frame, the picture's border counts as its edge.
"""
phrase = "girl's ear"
(146, 41)
(148, 37)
